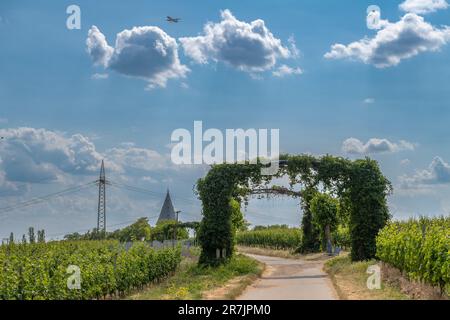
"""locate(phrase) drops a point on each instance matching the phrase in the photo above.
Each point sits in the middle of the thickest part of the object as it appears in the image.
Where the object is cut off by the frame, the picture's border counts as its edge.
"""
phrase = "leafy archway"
(359, 183)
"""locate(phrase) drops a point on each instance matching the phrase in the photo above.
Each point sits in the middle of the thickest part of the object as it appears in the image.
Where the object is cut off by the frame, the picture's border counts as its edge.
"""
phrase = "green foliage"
(192, 281)
(73, 236)
(164, 230)
(360, 183)
(367, 192)
(223, 183)
(237, 218)
(140, 230)
(38, 271)
(420, 248)
(90, 235)
(310, 242)
(31, 235)
(341, 237)
(271, 237)
(273, 226)
(41, 236)
(324, 210)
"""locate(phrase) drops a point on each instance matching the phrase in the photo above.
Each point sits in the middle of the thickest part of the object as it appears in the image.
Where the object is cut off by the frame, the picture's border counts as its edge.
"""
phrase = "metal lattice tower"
(101, 217)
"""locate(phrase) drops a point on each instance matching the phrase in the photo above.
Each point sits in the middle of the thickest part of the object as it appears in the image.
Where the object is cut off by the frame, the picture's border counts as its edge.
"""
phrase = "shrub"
(419, 248)
(39, 271)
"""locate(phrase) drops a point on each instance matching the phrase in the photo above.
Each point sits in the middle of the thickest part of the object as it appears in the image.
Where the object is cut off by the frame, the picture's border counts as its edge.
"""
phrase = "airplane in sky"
(172, 20)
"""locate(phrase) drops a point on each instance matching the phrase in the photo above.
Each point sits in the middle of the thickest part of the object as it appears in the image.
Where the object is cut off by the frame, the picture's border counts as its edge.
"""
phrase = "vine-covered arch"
(360, 182)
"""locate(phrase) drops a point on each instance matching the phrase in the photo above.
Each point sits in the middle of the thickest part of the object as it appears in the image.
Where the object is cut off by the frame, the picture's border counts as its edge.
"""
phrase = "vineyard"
(107, 268)
(274, 238)
(419, 248)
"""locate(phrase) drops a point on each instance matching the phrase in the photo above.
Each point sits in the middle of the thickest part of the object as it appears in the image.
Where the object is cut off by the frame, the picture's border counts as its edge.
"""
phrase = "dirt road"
(290, 279)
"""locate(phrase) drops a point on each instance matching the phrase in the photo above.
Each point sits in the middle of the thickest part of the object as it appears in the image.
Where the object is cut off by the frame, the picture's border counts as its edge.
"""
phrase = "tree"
(325, 210)
(311, 234)
(140, 230)
(31, 235)
(368, 189)
(24, 239)
(11, 238)
(164, 231)
(73, 236)
(41, 236)
(237, 218)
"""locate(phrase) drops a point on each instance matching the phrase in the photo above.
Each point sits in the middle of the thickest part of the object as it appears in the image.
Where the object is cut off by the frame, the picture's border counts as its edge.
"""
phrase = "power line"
(78, 188)
(47, 197)
(146, 191)
(101, 216)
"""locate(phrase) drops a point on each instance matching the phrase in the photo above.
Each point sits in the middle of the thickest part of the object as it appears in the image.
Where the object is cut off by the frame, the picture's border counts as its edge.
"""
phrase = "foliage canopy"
(360, 182)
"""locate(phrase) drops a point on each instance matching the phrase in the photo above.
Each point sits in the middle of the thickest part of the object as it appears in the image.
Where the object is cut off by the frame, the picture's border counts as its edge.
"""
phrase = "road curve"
(290, 279)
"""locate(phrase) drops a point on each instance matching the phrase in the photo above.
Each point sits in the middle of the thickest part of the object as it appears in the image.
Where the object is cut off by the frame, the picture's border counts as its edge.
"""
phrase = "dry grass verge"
(350, 281)
(416, 290)
(192, 282)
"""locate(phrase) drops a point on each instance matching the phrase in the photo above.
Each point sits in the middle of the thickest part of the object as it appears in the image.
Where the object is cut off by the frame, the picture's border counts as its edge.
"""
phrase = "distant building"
(167, 210)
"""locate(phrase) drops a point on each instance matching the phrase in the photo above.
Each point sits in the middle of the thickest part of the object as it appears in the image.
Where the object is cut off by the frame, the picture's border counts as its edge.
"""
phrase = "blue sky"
(59, 120)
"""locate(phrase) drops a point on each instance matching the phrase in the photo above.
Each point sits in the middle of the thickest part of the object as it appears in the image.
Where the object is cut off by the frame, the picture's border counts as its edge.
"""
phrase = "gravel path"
(290, 279)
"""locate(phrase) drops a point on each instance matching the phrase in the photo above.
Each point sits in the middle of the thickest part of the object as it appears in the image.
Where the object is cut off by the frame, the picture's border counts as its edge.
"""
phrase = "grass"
(350, 278)
(280, 253)
(192, 282)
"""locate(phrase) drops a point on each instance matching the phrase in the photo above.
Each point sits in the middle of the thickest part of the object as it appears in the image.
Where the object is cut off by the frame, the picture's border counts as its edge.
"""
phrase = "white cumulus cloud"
(30, 155)
(395, 42)
(39, 155)
(145, 52)
(423, 6)
(133, 157)
(98, 47)
(375, 145)
(249, 47)
(285, 70)
(100, 76)
(438, 172)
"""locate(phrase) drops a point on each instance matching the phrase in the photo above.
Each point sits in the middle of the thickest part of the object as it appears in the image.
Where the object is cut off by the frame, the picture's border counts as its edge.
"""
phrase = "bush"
(341, 237)
(39, 271)
(164, 230)
(419, 248)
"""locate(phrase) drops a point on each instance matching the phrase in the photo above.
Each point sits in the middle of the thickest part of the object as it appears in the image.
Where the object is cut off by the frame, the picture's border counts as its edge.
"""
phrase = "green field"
(107, 269)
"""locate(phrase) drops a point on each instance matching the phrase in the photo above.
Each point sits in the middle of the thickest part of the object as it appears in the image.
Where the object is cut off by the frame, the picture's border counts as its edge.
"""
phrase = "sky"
(118, 87)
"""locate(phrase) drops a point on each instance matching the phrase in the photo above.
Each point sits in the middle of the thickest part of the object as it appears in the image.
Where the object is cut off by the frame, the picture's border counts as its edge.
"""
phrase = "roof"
(167, 210)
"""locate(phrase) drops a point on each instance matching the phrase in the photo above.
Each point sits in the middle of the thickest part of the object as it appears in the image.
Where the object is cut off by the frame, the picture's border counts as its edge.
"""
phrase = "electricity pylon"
(101, 216)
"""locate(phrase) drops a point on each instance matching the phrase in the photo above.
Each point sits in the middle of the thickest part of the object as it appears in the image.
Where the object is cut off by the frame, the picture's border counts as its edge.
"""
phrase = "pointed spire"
(167, 210)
